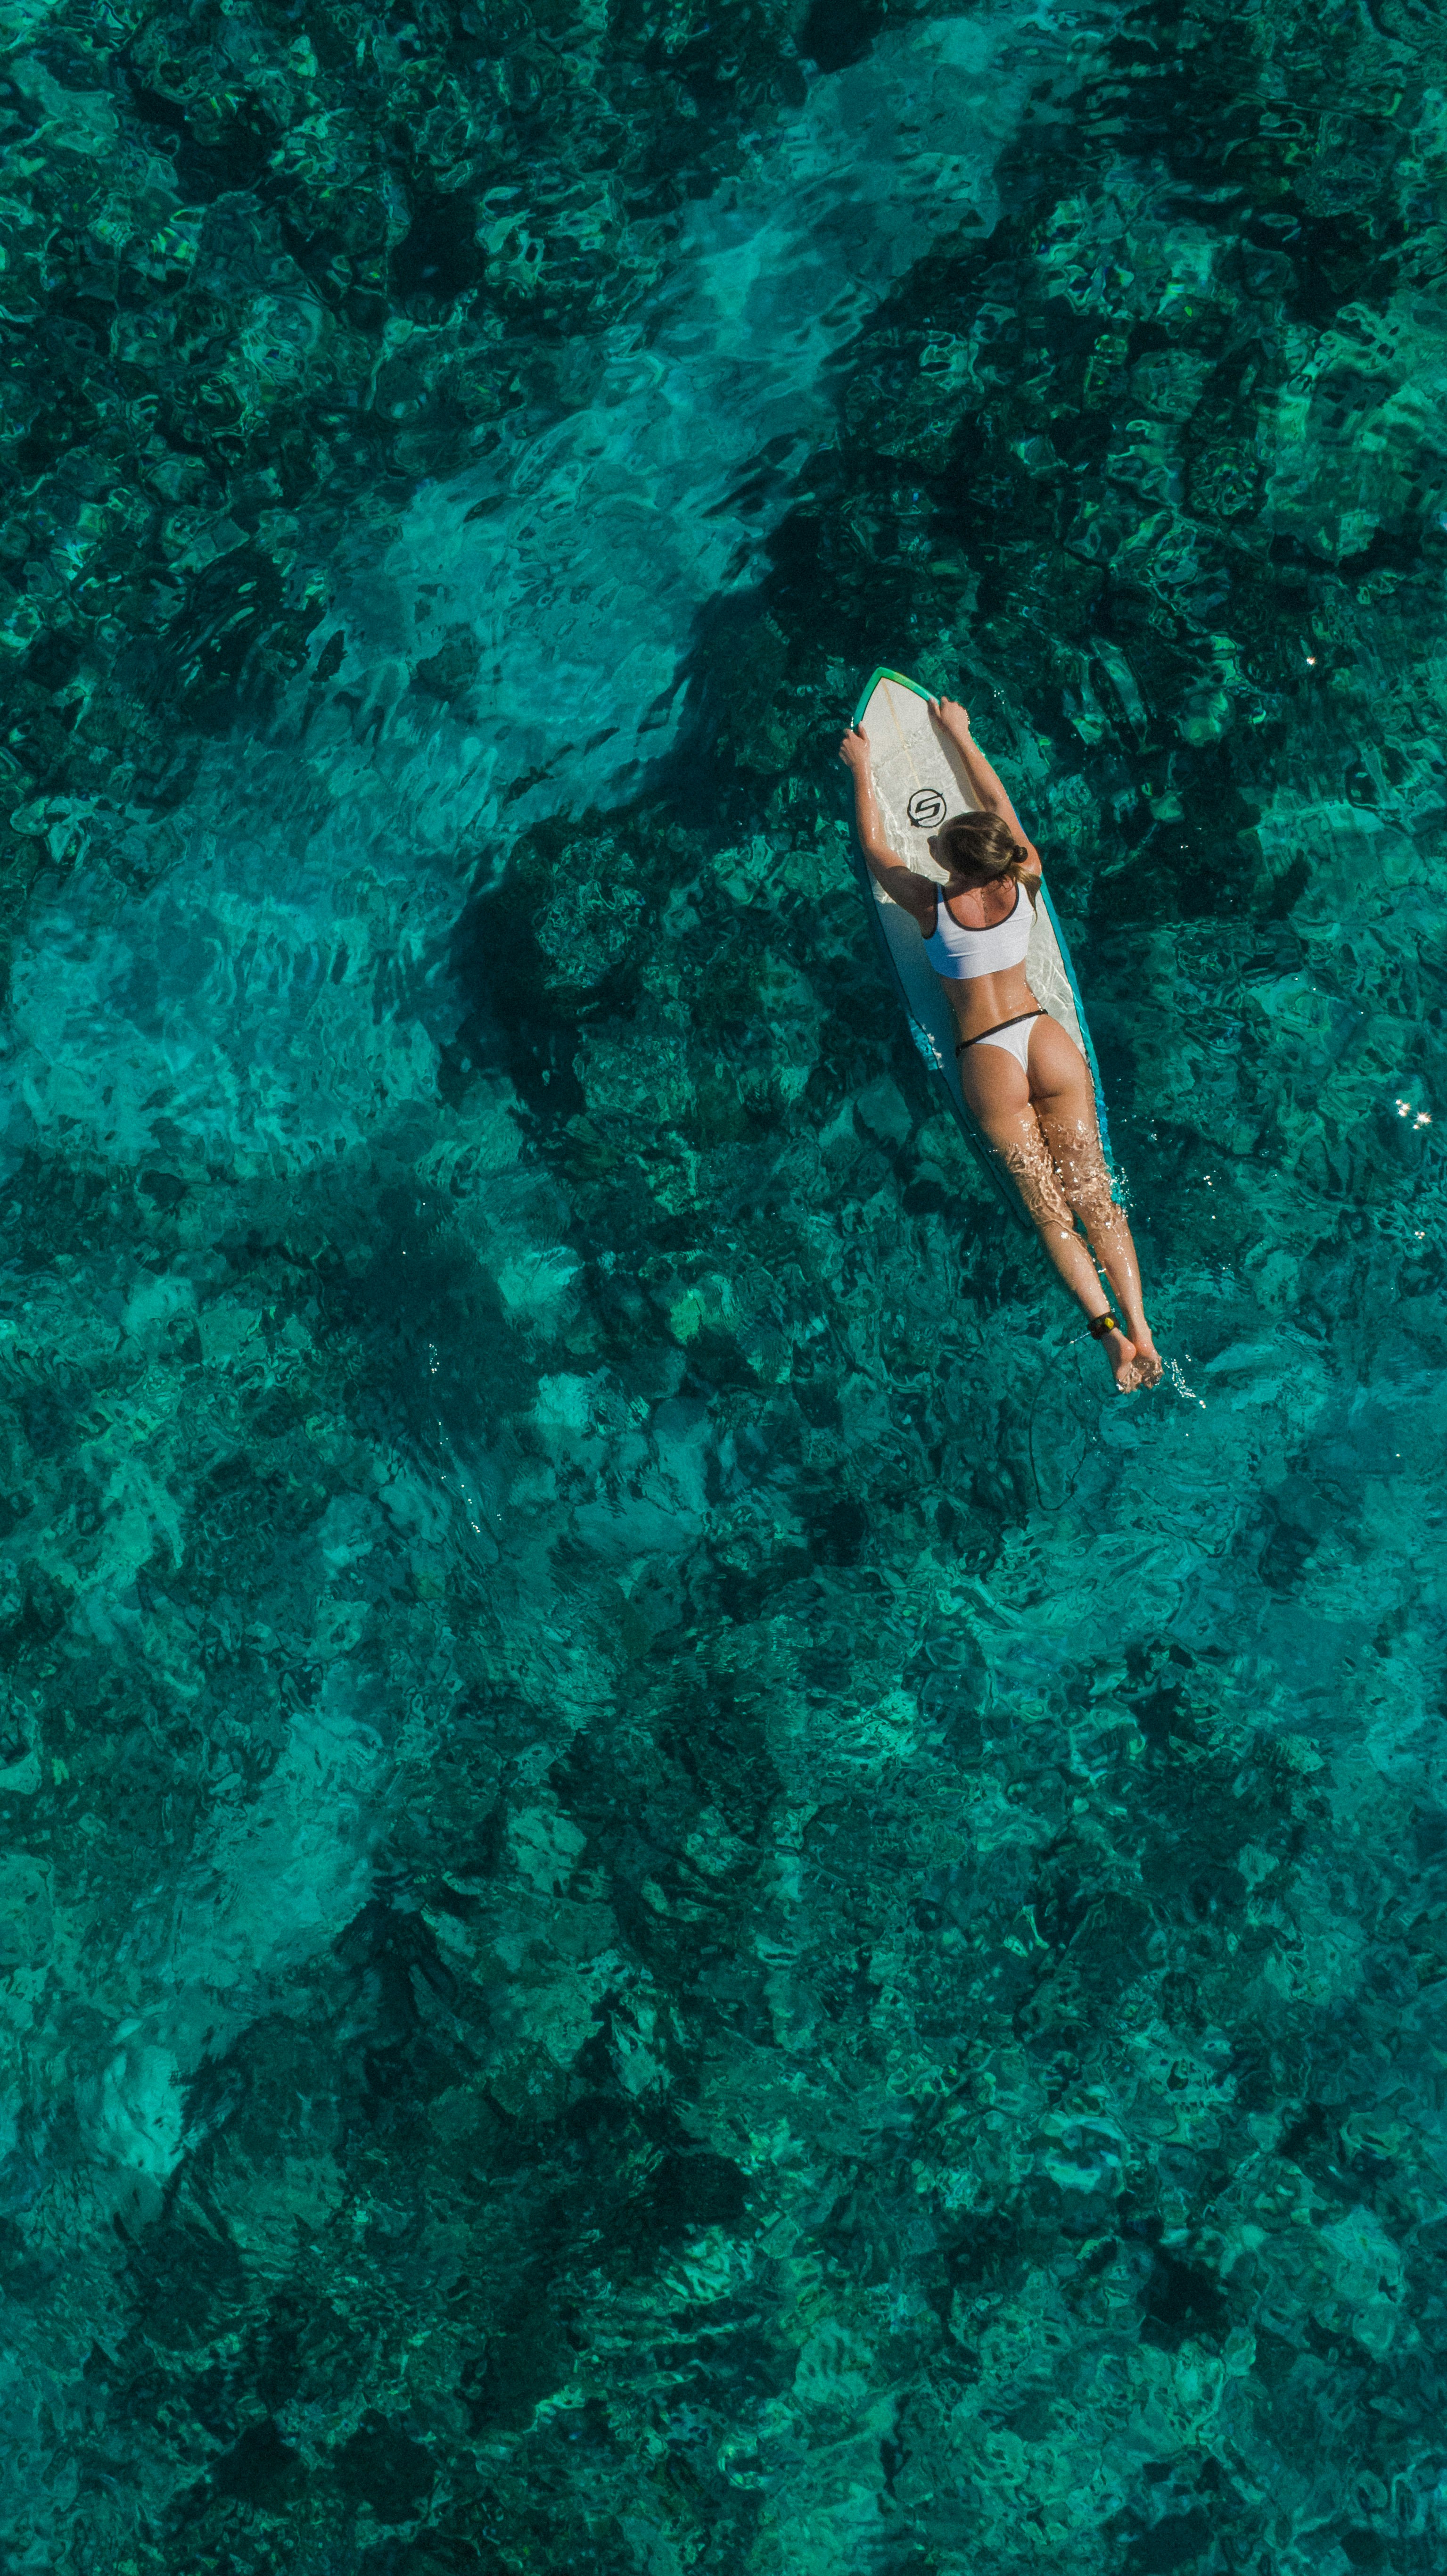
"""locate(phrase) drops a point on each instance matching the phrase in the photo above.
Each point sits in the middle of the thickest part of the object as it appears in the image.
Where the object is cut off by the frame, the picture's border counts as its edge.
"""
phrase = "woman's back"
(979, 930)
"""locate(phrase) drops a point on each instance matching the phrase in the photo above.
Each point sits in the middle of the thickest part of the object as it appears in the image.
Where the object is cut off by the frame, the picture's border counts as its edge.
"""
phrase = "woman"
(1026, 1082)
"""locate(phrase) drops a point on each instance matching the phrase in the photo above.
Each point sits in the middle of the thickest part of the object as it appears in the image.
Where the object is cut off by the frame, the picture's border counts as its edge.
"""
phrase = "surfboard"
(920, 782)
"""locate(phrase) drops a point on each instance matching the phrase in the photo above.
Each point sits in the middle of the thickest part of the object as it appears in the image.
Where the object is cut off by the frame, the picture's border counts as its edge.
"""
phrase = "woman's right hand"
(854, 751)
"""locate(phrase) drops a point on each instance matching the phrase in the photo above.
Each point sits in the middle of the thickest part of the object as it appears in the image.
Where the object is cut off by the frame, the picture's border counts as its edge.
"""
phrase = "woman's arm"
(900, 883)
(986, 787)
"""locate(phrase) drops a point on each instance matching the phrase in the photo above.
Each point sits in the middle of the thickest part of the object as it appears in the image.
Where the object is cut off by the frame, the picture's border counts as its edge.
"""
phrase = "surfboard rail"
(931, 1023)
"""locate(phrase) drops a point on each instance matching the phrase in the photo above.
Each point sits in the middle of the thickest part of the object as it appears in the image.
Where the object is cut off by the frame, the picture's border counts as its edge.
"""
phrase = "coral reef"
(672, 1899)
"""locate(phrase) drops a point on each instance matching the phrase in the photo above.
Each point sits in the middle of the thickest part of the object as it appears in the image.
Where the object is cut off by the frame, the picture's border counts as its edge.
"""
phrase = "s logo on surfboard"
(926, 807)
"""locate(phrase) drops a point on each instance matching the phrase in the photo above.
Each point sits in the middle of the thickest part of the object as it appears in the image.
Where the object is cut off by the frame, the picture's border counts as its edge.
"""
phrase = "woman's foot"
(1121, 1352)
(1150, 1367)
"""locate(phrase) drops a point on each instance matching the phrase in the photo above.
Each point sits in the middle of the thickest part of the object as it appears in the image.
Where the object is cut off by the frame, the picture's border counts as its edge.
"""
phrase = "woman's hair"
(979, 848)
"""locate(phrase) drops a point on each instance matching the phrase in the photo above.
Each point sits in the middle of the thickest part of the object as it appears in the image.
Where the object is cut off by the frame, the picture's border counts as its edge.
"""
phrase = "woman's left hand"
(854, 750)
(954, 717)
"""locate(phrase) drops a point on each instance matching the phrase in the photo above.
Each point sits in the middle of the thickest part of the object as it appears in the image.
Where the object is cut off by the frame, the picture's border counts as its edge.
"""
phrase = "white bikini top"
(961, 954)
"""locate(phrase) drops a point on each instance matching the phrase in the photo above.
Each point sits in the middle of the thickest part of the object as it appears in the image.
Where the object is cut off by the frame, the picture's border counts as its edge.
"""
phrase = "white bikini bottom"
(1013, 1035)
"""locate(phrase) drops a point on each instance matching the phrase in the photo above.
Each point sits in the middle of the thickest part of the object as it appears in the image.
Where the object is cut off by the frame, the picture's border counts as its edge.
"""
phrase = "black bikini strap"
(998, 1025)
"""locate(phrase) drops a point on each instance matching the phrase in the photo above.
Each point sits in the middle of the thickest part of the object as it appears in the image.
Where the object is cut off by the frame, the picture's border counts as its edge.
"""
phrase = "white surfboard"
(920, 782)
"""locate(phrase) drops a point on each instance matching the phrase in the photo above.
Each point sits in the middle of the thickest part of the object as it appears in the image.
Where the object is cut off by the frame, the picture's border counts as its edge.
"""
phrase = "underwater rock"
(670, 1897)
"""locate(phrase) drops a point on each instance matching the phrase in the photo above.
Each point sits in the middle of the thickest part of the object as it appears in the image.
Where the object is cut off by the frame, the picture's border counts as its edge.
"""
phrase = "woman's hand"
(854, 751)
(952, 716)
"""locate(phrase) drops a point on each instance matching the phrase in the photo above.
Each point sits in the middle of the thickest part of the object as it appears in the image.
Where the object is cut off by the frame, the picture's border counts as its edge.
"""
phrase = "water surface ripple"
(672, 1900)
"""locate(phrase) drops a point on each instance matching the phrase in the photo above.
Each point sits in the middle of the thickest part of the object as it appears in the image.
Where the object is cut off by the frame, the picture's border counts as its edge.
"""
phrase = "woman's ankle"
(1101, 1322)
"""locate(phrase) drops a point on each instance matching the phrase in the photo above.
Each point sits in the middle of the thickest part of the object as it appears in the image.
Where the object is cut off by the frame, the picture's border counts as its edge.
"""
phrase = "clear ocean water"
(672, 1900)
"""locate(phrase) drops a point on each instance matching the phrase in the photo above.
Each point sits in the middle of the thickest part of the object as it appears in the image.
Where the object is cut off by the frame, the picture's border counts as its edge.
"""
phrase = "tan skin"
(1050, 1103)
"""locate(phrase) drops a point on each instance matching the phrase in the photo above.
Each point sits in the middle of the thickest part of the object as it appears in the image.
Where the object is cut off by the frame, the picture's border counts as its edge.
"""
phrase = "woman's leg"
(998, 1092)
(1063, 1099)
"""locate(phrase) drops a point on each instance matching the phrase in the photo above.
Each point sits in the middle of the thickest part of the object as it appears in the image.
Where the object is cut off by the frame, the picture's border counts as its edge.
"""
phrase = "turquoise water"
(673, 1900)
